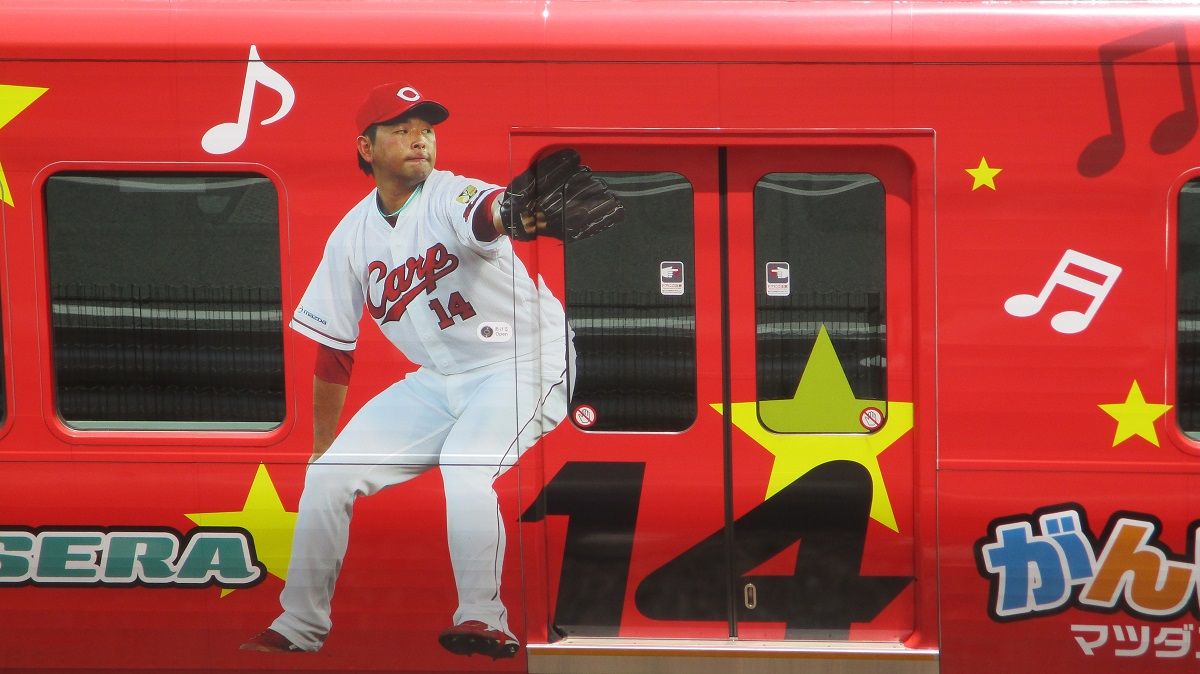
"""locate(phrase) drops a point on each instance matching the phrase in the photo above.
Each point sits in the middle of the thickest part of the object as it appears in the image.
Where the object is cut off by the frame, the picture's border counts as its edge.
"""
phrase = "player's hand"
(533, 224)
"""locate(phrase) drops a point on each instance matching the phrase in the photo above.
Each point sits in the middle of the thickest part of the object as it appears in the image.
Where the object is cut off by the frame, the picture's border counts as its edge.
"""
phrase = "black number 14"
(827, 509)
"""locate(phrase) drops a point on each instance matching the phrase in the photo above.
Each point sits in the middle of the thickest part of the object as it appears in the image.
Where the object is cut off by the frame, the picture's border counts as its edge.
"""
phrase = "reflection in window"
(1187, 362)
(631, 302)
(819, 260)
(165, 300)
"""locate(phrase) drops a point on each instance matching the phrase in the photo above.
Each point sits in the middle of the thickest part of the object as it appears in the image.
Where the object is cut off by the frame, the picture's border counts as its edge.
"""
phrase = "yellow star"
(271, 526)
(797, 453)
(984, 175)
(1135, 416)
(13, 100)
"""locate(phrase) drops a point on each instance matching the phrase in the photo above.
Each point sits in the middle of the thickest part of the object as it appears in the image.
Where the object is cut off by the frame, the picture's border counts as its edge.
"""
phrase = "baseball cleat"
(270, 641)
(473, 637)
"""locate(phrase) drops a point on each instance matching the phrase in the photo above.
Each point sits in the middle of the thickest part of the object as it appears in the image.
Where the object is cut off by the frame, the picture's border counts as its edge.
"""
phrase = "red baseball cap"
(389, 101)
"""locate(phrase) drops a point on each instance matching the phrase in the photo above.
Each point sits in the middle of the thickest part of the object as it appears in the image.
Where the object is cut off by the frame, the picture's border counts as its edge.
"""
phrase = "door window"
(821, 288)
(631, 302)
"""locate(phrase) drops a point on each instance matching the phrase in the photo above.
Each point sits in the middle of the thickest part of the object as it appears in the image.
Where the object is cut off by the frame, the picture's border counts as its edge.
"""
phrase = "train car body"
(891, 366)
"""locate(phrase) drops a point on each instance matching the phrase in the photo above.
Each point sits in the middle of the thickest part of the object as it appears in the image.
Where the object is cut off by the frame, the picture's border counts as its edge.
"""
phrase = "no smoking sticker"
(871, 418)
(585, 416)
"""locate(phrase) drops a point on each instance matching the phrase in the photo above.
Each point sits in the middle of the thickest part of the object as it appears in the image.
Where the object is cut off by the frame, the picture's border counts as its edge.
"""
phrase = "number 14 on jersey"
(458, 307)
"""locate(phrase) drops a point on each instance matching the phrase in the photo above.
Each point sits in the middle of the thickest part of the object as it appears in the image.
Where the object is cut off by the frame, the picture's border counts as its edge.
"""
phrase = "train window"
(1187, 336)
(165, 300)
(633, 311)
(819, 257)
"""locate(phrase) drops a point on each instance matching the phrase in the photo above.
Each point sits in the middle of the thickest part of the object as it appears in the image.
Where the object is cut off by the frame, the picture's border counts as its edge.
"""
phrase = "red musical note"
(1173, 132)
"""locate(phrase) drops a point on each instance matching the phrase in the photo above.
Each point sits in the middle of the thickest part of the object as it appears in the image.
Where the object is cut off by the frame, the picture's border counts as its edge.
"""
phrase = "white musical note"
(229, 136)
(1069, 322)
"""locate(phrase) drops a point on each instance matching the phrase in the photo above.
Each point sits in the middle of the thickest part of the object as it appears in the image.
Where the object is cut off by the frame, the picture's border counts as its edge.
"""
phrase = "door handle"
(750, 596)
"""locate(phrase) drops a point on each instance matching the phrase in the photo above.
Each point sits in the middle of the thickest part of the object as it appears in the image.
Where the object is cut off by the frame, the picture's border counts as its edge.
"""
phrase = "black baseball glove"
(558, 197)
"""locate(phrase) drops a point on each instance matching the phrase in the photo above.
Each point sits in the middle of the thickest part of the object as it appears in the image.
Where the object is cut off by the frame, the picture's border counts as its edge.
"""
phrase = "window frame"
(7, 414)
(689, 274)
(884, 232)
(100, 434)
(1182, 439)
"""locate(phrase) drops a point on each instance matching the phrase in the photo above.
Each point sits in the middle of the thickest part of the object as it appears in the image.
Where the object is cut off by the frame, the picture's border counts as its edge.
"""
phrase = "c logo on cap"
(409, 94)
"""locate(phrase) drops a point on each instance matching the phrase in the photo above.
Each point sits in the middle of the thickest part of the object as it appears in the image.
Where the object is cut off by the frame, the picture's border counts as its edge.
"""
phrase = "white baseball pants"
(474, 426)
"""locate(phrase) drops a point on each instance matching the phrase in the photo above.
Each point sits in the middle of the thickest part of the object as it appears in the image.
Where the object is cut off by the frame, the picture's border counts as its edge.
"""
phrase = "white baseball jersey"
(445, 299)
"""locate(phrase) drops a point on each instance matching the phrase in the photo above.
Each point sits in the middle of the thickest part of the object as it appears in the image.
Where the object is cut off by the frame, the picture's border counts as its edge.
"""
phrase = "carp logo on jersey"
(396, 287)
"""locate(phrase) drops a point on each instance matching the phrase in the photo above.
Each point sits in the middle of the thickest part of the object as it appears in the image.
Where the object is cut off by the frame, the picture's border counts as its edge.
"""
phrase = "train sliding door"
(737, 461)
(636, 473)
(820, 343)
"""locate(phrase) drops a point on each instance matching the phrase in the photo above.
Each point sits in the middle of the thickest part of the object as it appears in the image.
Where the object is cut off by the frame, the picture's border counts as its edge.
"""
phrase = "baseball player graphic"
(427, 253)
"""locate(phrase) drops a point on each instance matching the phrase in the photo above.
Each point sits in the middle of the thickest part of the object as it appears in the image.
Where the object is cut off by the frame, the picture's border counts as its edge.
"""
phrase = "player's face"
(403, 152)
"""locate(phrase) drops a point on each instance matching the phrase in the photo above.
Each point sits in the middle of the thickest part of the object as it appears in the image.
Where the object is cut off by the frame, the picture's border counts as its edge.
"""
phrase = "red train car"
(891, 363)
